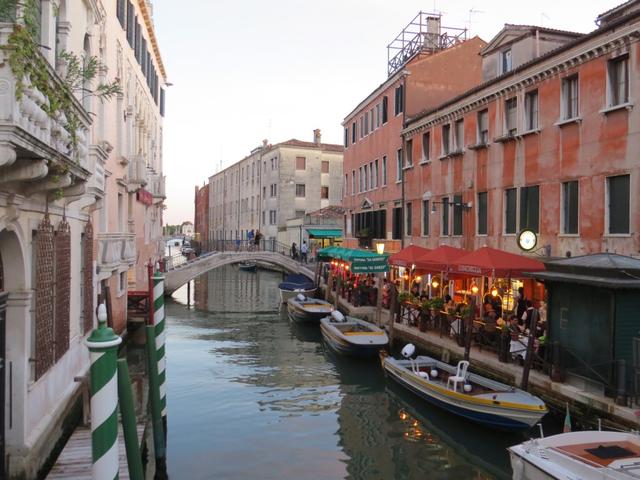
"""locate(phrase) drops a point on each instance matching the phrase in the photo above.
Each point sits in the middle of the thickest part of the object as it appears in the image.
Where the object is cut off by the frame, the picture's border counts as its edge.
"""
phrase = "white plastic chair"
(460, 376)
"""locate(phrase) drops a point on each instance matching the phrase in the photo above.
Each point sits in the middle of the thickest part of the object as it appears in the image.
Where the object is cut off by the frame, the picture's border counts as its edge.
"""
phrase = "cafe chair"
(460, 376)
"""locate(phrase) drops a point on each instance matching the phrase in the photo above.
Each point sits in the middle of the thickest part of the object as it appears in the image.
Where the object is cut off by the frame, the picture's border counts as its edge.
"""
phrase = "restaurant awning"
(362, 261)
(440, 259)
(496, 263)
(324, 233)
(407, 256)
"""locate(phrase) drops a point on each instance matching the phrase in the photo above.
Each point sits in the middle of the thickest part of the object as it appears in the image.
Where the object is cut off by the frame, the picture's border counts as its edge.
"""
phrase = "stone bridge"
(181, 274)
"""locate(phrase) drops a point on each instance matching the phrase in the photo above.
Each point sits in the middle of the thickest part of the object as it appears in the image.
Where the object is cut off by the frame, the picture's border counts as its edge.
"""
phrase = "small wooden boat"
(307, 310)
(471, 396)
(248, 266)
(578, 455)
(294, 284)
(352, 336)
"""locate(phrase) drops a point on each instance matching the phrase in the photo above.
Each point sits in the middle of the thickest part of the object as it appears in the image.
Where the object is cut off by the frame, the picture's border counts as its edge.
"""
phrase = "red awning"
(407, 256)
(440, 259)
(496, 263)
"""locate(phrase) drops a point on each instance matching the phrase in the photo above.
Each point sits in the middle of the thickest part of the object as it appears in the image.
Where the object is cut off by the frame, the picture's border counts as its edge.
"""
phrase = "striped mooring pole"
(159, 324)
(103, 349)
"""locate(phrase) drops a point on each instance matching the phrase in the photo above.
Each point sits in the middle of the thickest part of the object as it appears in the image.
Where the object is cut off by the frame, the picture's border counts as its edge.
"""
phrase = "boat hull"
(485, 414)
(344, 347)
(304, 316)
(525, 470)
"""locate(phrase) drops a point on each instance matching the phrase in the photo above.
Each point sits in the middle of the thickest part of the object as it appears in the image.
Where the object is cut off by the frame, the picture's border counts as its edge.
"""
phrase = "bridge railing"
(265, 245)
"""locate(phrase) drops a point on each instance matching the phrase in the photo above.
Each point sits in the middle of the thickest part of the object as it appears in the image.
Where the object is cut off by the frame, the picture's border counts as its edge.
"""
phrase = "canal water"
(252, 395)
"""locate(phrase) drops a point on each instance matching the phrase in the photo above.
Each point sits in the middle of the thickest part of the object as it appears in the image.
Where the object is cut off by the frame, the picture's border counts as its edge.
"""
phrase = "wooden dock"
(75, 460)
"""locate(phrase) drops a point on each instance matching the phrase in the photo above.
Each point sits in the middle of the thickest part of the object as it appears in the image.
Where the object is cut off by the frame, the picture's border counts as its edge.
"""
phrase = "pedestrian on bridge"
(304, 250)
(294, 251)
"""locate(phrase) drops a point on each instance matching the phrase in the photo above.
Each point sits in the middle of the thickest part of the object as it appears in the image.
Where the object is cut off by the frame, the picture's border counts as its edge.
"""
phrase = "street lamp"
(380, 248)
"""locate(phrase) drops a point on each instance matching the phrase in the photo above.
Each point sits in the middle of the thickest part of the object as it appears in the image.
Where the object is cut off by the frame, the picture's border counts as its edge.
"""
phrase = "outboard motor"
(337, 317)
(300, 297)
(408, 350)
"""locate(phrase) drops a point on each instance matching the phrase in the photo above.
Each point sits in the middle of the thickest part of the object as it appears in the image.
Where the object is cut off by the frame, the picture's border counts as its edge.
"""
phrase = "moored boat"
(307, 310)
(352, 336)
(248, 266)
(468, 395)
(295, 284)
(586, 455)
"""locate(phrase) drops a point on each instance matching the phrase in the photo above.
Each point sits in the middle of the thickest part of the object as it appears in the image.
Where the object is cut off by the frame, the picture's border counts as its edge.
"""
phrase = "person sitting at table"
(448, 302)
(424, 295)
(415, 289)
(515, 328)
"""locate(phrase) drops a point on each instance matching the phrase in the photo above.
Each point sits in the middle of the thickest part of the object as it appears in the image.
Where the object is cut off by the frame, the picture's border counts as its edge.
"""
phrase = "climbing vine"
(30, 67)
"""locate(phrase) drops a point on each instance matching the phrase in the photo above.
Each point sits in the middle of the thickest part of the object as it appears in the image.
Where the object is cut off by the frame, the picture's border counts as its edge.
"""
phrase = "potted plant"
(437, 304)
(405, 297)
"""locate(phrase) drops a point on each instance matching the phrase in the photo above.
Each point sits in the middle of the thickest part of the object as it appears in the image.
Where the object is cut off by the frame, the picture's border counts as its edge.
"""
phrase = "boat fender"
(434, 373)
(467, 388)
(301, 297)
(337, 316)
(424, 375)
(408, 350)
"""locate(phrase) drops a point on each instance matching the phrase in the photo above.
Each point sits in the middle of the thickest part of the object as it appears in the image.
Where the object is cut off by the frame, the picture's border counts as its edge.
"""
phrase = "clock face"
(527, 240)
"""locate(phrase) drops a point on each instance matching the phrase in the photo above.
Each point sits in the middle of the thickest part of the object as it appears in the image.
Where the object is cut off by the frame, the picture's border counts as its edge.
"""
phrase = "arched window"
(86, 85)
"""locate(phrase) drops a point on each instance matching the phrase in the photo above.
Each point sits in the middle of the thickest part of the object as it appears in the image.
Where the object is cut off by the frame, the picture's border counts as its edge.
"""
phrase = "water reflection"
(254, 395)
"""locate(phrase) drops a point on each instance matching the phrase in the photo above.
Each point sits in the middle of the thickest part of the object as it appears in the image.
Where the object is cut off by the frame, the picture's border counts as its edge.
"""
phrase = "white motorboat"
(352, 336)
(462, 393)
(308, 310)
(296, 284)
(590, 455)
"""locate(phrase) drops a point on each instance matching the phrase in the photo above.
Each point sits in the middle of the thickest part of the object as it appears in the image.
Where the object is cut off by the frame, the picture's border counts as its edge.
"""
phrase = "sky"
(247, 70)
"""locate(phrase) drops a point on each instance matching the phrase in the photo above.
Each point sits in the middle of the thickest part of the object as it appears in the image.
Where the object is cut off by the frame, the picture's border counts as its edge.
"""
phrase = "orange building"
(548, 142)
(201, 217)
(428, 64)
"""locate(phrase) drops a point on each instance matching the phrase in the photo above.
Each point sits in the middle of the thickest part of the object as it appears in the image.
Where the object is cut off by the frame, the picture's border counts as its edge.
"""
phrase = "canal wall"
(586, 408)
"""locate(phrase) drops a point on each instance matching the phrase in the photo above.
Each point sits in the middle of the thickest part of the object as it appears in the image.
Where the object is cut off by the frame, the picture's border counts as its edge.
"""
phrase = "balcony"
(156, 187)
(39, 150)
(116, 250)
(138, 175)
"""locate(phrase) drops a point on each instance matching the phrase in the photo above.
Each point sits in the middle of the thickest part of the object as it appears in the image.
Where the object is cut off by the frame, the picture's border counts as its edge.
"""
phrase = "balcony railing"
(138, 175)
(157, 188)
(33, 132)
(115, 250)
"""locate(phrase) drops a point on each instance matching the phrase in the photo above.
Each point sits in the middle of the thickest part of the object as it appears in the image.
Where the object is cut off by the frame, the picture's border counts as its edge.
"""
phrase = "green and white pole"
(159, 324)
(103, 349)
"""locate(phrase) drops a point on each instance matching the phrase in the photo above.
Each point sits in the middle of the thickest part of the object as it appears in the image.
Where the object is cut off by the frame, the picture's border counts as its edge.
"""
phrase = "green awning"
(324, 233)
(362, 261)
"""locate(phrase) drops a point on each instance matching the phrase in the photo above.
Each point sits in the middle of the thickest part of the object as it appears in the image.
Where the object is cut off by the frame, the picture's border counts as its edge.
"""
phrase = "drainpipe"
(404, 116)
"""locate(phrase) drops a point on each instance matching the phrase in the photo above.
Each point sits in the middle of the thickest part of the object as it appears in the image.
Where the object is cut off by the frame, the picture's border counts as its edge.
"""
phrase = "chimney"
(265, 142)
(316, 136)
(432, 37)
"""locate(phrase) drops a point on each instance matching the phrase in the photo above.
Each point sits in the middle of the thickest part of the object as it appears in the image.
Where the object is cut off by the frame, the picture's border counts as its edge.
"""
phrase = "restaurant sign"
(370, 264)
(470, 269)
(144, 196)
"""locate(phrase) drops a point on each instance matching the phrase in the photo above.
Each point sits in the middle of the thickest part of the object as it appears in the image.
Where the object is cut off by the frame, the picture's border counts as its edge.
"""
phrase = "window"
(505, 64)
(121, 12)
(482, 213)
(531, 111)
(366, 123)
(353, 182)
(446, 139)
(371, 176)
(408, 218)
(570, 199)
(362, 134)
(457, 215)
(263, 217)
(324, 168)
(378, 115)
(273, 190)
(399, 165)
(301, 163)
(445, 216)
(399, 100)
(396, 232)
(483, 127)
(385, 110)
(459, 135)
(324, 192)
(425, 217)
(618, 204)
(299, 213)
(426, 145)
(511, 119)
(618, 75)
(374, 119)
(346, 137)
(375, 174)
(264, 192)
(130, 24)
(300, 190)
(384, 170)
(353, 133)
(511, 203)
(272, 217)
(362, 184)
(409, 153)
(570, 97)
(366, 178)
(530, 208)
(345, 187)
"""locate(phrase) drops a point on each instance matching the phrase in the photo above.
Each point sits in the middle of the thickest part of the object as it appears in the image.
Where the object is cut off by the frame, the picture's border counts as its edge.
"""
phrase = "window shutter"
(385, 109)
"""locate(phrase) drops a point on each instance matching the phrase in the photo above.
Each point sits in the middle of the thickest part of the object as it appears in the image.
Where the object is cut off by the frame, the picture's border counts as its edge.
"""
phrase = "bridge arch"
(179, 276)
